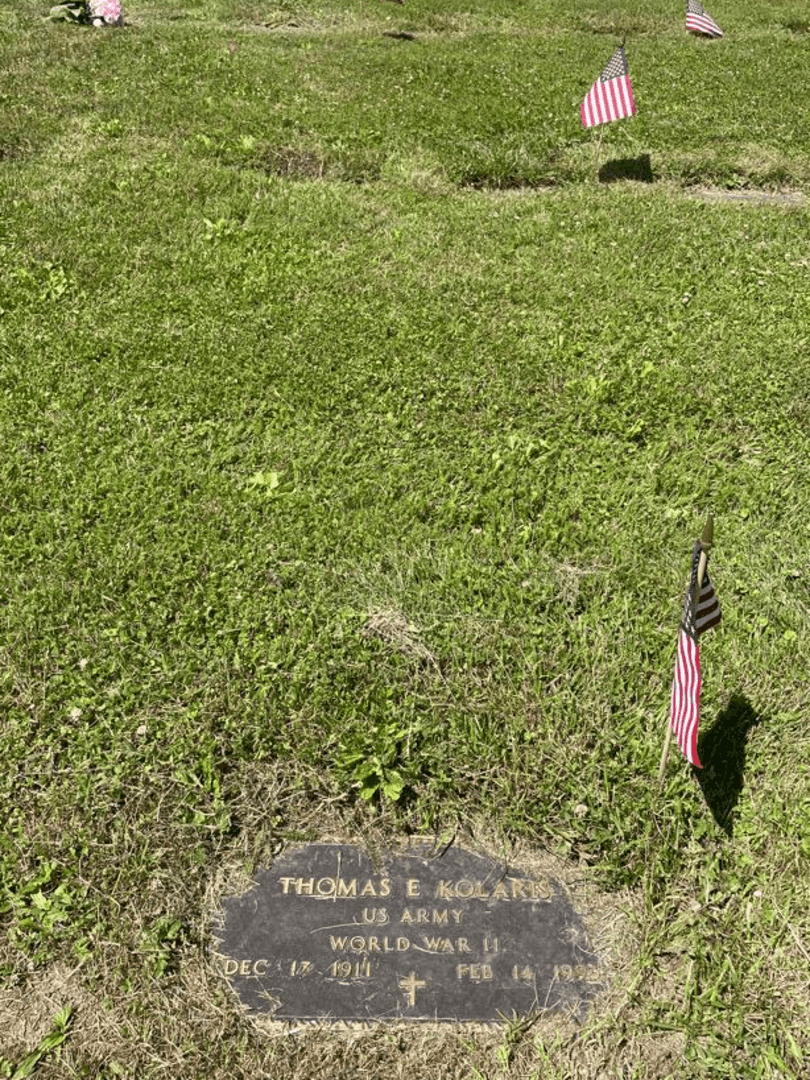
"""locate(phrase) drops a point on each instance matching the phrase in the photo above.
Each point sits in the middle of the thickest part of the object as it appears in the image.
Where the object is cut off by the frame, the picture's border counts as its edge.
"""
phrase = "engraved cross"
(410, 986)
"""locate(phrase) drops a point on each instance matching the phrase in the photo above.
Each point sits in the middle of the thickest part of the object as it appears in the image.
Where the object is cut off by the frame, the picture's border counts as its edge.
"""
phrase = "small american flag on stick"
(701, 611)
(611, 96)
(699, 21)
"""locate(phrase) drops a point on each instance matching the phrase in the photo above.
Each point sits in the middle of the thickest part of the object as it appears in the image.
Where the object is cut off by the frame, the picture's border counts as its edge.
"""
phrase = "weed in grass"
(55, 1038)
(158, 943)
(378, 762)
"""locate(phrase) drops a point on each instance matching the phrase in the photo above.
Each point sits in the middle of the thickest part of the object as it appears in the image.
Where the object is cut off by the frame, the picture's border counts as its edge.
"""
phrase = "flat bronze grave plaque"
(325, 936)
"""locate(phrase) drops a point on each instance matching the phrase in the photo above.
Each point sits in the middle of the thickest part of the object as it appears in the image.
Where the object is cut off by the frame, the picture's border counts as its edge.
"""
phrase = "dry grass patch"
(397, 631)
(292, 163)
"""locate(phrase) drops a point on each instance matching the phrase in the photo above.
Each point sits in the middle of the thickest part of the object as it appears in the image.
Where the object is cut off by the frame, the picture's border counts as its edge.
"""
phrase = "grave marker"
(326, 936)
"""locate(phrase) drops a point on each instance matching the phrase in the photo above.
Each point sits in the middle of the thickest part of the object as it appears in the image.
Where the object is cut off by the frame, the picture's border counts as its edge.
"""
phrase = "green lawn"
(354, 439)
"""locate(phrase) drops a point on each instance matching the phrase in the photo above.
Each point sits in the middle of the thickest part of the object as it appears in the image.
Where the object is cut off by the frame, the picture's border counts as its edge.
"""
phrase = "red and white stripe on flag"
(611, 96)
(697, 619)
(686, 697)
(700, 21)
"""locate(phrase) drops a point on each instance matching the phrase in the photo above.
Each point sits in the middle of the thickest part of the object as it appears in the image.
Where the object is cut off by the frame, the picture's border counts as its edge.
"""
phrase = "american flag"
(686, 684)
(699, 20)
(611, 96)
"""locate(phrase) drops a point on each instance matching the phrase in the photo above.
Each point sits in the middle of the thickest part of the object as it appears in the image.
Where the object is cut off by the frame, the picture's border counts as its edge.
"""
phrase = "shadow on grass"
(722, 751)
(637, 168)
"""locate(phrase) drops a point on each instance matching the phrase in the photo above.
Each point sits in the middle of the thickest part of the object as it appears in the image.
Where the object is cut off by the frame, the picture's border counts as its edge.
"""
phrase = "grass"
(355, 438)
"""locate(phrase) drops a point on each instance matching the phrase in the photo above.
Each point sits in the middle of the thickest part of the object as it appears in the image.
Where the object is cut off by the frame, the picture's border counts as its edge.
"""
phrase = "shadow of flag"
(722, 751)
(637, 168)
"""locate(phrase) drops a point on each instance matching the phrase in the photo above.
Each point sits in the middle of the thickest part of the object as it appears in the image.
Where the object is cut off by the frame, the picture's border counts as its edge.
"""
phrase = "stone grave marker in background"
(325, 935)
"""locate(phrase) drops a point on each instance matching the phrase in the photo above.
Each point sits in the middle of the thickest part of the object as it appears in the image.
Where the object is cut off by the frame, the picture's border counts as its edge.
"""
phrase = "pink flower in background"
(108, 11)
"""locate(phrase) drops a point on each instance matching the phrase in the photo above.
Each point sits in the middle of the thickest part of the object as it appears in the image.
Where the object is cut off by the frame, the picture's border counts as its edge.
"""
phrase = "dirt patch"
(774, 198)
(28, 1006)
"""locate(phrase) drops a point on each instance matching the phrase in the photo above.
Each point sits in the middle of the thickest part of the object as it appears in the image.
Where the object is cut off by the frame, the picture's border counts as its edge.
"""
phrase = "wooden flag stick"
(598, 150)
(706, 541)
(602, 132)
